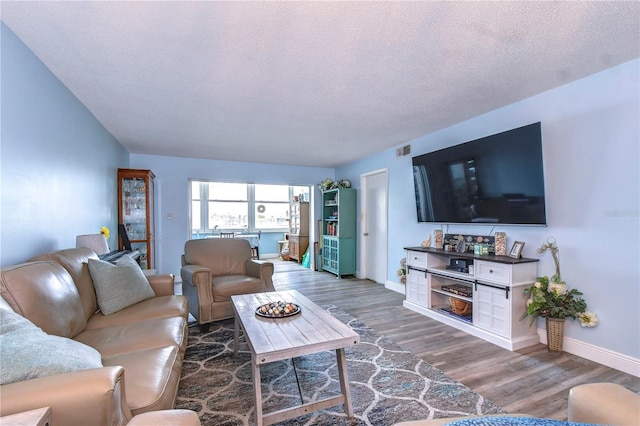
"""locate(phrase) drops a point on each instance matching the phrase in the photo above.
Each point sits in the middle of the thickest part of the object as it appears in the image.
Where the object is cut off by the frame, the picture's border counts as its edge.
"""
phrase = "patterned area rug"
(388, 384)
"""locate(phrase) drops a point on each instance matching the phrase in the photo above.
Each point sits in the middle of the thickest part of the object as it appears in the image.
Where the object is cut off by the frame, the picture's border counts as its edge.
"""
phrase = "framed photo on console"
(516, 250)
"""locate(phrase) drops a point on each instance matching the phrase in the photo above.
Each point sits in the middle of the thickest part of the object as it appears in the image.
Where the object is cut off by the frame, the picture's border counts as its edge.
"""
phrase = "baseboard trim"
(393, 286)
(603, 356)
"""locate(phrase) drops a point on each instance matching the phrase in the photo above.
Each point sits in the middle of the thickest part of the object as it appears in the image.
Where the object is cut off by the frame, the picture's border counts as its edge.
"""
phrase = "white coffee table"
(275, 339)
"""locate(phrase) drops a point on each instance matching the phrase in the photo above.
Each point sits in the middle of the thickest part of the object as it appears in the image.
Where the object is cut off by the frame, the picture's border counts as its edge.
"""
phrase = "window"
(226, 206)
(271, 207)
(240, 207)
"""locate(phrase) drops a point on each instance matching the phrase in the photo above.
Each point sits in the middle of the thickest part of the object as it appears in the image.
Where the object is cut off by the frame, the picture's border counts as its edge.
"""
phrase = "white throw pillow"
(27, 352)
(119, 286)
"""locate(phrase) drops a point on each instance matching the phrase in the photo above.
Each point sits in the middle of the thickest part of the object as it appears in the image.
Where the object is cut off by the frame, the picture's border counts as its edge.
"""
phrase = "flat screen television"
(497, 179)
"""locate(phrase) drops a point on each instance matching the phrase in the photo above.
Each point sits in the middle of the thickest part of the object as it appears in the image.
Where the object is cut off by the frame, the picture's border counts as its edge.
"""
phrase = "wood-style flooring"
(533, 380)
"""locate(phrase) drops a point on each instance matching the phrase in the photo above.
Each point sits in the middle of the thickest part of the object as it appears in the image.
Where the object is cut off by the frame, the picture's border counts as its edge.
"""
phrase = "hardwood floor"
(533, 380)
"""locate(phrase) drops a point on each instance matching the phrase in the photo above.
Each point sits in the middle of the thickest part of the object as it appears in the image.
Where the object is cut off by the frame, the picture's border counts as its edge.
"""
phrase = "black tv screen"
(497, 179)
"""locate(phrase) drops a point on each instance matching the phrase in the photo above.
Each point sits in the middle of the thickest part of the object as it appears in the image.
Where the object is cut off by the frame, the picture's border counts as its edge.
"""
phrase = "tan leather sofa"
(595, 403)
(142, 346)
(214, 269)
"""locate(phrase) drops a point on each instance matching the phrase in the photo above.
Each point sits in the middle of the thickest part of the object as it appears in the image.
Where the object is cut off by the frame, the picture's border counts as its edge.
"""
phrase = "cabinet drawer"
(492, 272)
(417, 259)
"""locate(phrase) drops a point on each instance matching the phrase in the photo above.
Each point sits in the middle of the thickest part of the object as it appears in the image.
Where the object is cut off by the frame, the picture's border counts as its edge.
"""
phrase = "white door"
(373, 240)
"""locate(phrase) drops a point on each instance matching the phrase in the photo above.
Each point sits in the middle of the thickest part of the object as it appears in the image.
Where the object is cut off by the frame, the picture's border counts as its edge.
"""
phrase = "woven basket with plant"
(459, 307)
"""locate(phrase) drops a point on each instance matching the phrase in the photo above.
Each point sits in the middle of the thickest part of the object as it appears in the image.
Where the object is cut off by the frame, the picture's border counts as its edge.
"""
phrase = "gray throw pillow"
(119, 286)
(27, 352)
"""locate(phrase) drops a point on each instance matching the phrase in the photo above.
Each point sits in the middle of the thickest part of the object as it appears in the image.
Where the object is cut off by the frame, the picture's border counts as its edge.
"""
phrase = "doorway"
(373, 236)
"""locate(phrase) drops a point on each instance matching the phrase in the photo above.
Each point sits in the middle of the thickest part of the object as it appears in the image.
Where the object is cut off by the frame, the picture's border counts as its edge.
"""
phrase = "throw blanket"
(513, 421)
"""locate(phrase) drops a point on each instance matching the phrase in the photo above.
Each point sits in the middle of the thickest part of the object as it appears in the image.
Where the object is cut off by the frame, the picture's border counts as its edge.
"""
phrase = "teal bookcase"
(339, 231)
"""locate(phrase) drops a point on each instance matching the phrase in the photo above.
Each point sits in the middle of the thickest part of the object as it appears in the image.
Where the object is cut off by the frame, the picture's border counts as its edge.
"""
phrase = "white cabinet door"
(416, 287)
(491, 309)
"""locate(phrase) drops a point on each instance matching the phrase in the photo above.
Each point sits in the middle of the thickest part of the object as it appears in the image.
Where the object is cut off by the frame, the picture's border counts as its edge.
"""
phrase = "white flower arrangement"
(550, 298)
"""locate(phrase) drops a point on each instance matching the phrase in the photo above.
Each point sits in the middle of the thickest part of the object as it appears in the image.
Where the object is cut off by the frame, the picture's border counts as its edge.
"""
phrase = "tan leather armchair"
(214, 269)
(604, 403)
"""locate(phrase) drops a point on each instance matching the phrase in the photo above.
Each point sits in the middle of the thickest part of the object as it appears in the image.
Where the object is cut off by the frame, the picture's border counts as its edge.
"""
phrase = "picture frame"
(516, 250)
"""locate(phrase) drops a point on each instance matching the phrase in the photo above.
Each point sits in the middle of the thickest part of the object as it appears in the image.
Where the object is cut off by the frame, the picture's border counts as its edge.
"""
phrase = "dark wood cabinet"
(135, 212)
(298, 230)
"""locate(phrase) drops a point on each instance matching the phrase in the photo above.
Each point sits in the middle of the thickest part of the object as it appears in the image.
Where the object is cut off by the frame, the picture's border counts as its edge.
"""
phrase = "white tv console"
(495, 289)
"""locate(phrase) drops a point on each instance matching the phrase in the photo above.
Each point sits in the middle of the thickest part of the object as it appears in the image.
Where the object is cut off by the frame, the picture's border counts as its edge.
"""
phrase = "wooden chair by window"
(227, 234)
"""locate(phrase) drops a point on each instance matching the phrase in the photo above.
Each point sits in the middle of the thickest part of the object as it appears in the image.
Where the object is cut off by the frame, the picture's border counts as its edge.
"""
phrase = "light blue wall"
(172, 189)
(591, 142)
(58, 164)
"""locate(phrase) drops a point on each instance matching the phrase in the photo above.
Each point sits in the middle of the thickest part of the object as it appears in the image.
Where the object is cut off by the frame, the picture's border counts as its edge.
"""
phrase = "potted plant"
(328, 184)
(552, 300)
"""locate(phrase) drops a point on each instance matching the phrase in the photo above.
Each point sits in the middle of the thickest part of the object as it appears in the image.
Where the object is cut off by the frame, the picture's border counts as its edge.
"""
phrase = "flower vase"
(501, 244)
(439, 239)
(555, 333)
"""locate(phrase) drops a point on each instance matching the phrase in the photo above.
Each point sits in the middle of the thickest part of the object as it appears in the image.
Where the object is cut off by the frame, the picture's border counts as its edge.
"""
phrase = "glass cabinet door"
(134, 214)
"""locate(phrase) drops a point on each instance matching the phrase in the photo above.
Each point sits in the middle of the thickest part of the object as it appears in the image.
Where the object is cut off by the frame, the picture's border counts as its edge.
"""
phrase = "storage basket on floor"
(459, 307)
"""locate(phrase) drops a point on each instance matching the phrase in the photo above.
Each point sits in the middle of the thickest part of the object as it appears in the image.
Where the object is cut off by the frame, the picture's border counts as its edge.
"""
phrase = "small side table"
(37, 417)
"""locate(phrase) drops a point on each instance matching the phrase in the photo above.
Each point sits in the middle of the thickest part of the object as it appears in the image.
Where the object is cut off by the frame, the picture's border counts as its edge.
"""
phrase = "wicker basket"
(555, 333)
(459, 307)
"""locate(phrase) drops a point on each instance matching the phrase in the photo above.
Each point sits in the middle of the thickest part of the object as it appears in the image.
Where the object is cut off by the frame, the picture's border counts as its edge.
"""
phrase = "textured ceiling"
(312, 83)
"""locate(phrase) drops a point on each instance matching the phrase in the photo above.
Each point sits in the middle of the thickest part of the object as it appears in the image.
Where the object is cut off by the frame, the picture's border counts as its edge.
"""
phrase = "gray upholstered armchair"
(214, 269)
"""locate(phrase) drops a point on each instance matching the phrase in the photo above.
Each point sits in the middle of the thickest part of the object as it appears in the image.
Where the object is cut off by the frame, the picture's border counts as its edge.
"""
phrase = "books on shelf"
(332, 229)
(459, 289)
